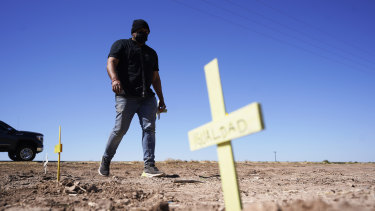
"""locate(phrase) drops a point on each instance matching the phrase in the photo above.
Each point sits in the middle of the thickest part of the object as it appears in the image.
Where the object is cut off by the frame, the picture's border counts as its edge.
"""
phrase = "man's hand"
(156, 83)
(116, 86)
(161, 106)
(111, 69)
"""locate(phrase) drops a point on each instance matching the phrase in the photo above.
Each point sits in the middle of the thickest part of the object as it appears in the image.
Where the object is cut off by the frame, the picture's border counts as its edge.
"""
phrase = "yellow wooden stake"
(223, 127)
(58, 149)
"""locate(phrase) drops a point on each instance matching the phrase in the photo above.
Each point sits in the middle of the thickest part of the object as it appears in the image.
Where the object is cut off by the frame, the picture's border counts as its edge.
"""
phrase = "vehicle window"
(3, 130)
(5, 127)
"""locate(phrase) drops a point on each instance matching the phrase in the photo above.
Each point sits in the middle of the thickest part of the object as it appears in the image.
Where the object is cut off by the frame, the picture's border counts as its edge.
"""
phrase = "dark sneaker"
(152, 171)
(104, 167)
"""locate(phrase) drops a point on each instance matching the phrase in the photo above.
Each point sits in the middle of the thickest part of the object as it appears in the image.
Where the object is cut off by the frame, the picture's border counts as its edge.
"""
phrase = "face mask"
(141, 37)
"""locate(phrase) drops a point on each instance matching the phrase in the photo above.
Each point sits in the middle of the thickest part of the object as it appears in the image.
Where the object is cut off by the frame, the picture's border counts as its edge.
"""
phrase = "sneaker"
(104, 167)
(152, 171)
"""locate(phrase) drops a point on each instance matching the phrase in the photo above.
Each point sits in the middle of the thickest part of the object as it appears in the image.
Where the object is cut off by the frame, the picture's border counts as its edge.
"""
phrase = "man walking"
(133, 67)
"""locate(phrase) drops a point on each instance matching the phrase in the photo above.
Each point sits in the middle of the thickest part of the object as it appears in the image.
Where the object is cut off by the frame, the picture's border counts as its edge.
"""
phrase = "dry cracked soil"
(188, 185)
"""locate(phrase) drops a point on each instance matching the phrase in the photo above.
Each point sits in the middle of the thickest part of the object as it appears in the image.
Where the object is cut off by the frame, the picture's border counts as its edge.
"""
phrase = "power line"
(294, 37)
(268, 36)
(341, 50)
(312, 26)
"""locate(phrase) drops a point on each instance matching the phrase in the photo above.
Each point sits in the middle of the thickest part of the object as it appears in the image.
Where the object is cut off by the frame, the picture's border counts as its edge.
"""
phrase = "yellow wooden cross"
(221, 130)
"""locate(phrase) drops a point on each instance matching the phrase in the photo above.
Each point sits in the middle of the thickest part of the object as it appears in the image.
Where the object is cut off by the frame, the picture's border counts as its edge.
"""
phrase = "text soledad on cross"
(237, 124)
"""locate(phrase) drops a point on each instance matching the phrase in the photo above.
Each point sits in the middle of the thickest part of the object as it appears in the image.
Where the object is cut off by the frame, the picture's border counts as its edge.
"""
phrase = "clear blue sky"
(309, 63)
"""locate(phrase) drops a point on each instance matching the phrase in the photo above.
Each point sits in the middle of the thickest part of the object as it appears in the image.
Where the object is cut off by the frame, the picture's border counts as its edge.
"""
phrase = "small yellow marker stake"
(58, 149)
(221, 130)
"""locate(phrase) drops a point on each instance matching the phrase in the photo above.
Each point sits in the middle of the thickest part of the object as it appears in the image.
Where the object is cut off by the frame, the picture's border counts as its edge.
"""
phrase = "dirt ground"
(187, 186)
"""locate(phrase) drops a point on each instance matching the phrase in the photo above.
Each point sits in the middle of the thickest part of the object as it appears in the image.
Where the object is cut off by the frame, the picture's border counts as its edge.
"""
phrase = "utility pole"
(275, 155)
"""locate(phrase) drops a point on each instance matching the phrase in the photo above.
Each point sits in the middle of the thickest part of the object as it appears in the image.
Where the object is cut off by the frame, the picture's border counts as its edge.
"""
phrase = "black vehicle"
(20, 145)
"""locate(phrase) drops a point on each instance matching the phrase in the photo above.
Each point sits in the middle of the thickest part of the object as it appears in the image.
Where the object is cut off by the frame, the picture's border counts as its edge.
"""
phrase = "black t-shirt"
(129, 68)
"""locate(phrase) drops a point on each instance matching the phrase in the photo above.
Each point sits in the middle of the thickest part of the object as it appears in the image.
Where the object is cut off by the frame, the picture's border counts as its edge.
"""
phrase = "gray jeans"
(126, 108)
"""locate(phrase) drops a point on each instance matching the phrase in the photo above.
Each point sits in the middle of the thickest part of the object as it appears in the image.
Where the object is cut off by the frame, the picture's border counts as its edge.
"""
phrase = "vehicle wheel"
(26, 153)
(13, 156)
